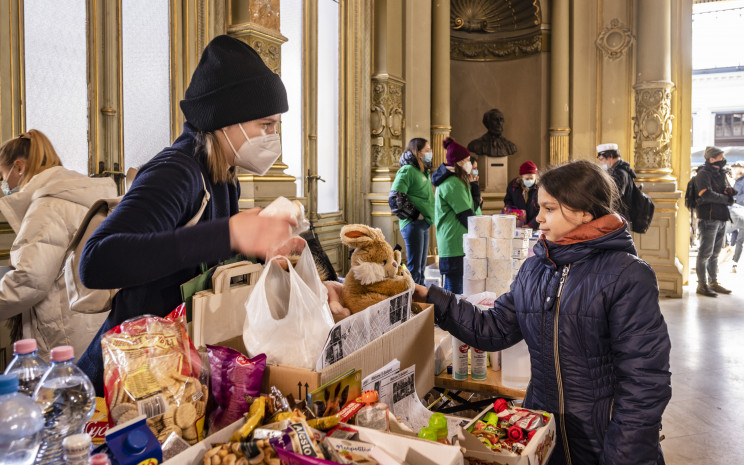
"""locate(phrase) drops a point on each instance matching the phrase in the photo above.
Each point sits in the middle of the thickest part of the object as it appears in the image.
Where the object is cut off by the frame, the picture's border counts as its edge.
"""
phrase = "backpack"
(82, 299)
(691, 195)
(641, 209)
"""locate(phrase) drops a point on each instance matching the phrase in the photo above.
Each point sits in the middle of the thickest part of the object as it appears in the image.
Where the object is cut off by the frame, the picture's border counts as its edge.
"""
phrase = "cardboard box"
(194, 455)
(537, 452)
(412, 343)
(412, 451)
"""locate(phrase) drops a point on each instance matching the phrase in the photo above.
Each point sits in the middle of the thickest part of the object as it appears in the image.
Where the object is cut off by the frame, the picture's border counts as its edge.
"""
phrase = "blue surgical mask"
(528, 182)
(474, 172)
(605, 167)
(428, 156)
(6, 188)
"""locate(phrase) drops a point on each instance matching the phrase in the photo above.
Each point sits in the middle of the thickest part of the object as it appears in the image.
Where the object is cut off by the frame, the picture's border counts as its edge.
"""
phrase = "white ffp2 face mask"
(467, 167)
(258, 154)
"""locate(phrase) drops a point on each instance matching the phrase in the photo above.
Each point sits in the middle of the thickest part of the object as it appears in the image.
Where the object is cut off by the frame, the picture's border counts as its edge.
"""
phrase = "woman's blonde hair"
(220, 170)
(33, 147)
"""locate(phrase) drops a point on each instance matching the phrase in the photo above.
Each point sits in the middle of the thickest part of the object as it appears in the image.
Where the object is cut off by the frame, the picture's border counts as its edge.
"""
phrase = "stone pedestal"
(493, 173)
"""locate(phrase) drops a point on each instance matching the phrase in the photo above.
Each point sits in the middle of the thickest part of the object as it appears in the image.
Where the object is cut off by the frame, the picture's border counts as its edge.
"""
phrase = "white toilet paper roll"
(500, 269)
(503, 226)
(474, 247)
(479, 226)
(499, 248)
(473, 286)
(475, 268)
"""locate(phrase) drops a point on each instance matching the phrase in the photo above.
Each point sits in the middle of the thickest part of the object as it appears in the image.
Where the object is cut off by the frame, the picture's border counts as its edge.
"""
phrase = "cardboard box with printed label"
(412, 342)
(537, 451)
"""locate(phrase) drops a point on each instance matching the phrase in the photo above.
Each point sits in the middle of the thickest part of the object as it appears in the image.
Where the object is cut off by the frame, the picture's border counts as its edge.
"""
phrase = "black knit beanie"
(231, 84)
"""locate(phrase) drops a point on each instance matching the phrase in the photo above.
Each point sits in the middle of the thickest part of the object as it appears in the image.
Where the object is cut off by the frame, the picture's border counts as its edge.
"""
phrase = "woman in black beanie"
(232, 106)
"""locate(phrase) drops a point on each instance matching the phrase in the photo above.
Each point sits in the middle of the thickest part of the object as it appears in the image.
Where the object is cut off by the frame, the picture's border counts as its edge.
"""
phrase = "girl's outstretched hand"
(420, 293)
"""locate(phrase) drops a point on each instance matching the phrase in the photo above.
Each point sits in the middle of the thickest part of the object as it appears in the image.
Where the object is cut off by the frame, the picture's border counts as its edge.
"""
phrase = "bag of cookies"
(151, 368)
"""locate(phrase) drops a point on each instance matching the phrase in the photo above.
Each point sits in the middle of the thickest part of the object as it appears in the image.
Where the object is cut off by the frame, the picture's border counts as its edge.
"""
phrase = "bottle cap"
(24, 346)
(62, 354)
(428, 433)
(100, 459)
(136, 442)
(370, 397)
(8, 384)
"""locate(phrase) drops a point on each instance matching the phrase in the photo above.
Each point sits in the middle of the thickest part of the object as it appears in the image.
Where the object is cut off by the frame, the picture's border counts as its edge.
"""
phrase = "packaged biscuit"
(151, 368)
(98, 424)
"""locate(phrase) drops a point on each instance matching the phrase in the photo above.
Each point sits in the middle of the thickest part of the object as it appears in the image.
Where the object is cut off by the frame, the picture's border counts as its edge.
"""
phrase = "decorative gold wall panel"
(652, 129)
(386, 121)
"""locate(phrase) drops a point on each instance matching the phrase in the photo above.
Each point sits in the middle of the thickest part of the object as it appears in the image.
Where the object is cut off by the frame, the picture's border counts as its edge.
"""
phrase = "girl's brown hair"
(462, 175)
(581, 186)
(220, 170)
(416, 144)
(35, 149)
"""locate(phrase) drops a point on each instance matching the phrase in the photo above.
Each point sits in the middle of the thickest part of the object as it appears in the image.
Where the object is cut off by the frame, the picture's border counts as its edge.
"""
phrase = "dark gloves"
(730, 191)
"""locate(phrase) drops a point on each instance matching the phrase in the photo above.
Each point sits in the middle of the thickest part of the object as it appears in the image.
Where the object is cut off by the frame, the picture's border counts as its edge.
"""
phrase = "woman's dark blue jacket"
(612, 348)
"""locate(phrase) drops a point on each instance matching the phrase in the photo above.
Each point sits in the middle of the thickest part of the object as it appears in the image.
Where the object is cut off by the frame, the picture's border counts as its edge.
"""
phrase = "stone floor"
(702, 422)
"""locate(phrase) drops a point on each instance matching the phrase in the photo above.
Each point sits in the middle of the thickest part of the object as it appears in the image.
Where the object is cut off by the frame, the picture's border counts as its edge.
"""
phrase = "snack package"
(151, 368)
(234, 376)
(98, 423)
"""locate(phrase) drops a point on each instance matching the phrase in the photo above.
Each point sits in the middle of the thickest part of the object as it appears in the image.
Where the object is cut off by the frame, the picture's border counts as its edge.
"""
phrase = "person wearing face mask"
(608, 156)
(412, 201)
(475, 191)
(43, 203)
(452, 207)
(231, 108)
(714, 196)
(521, 194)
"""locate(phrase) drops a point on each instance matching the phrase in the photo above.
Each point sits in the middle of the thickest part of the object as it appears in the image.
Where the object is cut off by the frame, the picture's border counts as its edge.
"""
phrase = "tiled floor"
(702, 423)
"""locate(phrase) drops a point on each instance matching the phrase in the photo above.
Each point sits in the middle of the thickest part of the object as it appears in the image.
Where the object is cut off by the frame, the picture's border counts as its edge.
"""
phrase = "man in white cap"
(609, 158)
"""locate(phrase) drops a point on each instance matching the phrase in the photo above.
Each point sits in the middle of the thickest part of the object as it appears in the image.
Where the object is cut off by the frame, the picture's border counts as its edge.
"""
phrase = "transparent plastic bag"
(287, 314)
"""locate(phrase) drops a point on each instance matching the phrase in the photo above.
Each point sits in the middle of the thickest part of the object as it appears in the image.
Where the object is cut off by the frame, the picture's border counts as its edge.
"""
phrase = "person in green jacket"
(453, 205)
(412, 200)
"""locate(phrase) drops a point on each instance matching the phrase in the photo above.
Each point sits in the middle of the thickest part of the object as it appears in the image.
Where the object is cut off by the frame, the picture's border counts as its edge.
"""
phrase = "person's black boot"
(703, 289)
(719, 289)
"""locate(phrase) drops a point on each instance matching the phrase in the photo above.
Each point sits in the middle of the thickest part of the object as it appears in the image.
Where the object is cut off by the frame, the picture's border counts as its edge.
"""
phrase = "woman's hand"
(335, 300)
(420, 293)
(256, 236)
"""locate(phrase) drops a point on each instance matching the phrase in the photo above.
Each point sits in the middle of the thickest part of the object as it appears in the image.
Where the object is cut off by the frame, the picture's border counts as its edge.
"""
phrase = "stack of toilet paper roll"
(475, 264)
(500, 253)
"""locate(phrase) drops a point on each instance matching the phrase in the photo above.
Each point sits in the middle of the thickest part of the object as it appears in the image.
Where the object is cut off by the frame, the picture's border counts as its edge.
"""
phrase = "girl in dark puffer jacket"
(588, 309)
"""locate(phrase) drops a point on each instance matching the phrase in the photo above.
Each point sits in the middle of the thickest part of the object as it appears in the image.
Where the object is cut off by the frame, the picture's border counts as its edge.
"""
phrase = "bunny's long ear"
(357, 235)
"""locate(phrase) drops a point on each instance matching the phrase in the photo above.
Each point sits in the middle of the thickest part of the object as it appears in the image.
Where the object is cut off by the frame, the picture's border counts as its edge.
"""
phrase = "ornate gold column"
(257, 24)
(652, 129)
(386, 126)
(560, 130)
(440, 78)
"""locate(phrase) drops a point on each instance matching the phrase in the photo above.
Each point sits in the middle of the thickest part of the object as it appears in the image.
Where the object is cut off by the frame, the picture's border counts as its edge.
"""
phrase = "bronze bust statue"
(493, 143)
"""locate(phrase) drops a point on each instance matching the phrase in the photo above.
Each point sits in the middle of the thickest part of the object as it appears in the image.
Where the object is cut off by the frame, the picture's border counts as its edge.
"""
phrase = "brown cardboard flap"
(412, 343)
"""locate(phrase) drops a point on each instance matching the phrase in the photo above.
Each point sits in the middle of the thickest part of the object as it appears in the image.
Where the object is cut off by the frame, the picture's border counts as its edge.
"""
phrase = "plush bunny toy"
(376, 273)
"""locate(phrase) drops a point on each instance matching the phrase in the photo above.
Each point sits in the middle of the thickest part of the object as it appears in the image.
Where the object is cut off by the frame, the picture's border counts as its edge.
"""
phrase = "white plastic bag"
(287, 314)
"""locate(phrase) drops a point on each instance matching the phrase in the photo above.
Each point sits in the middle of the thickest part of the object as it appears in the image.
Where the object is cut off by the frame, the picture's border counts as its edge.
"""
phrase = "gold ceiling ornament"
(495, 30)
(495, 49)
(615, 40)
(489, 16)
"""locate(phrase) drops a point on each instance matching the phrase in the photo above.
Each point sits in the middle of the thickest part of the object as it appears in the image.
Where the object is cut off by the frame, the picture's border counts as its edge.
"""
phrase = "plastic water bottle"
(27, 365)
(21, 424)
(67, 401)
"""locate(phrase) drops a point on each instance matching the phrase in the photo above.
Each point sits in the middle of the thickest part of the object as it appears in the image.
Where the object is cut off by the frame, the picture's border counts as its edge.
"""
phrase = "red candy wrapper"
(234, 376)
(515, 433)
(530, 434)
(500, 405)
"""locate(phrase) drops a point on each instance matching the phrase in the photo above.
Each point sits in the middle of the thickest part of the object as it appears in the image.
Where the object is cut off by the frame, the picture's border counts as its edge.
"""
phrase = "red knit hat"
(528, 168)
(455, 151)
